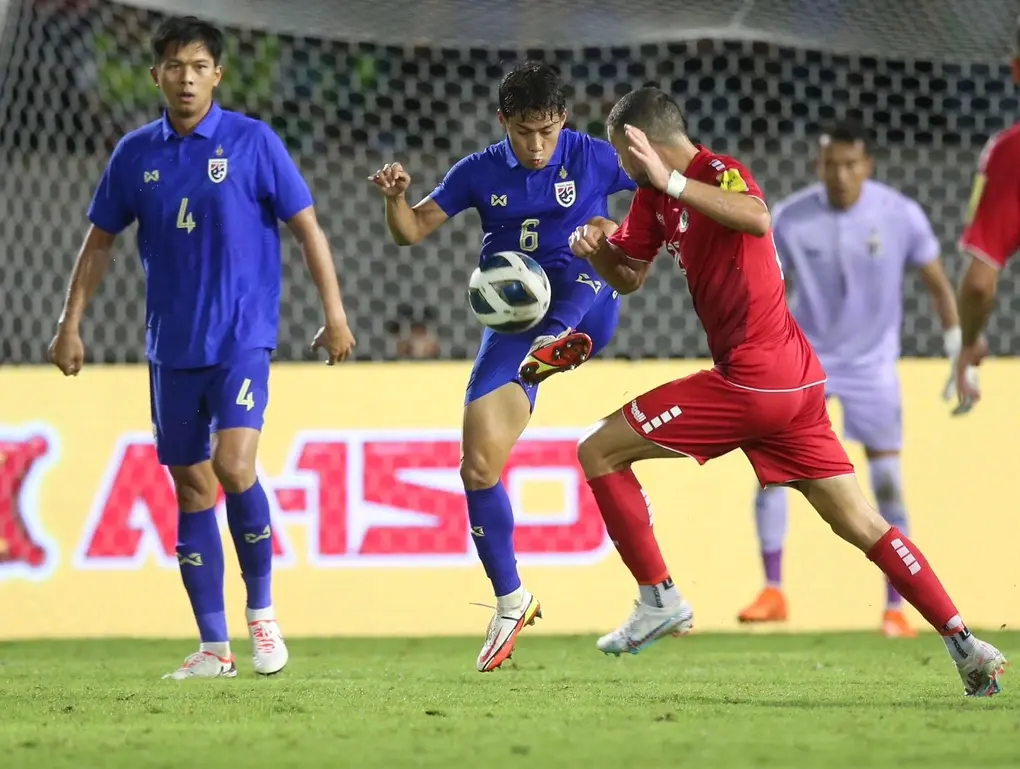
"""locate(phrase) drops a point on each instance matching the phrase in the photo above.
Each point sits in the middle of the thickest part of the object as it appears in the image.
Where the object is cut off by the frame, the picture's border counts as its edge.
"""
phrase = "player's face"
(533, 137)
(631, 167)
(187, 77)
(844, 167)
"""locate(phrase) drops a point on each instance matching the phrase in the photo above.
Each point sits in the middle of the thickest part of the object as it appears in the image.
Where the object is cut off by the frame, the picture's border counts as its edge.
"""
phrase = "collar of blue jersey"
(205, 129)
(513, 162)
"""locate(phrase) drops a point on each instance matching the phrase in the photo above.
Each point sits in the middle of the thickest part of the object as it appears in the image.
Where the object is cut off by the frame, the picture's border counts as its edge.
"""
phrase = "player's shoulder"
(1004, 145)
(887, 198)
(134, 144)
(239, 124)
(805, 202)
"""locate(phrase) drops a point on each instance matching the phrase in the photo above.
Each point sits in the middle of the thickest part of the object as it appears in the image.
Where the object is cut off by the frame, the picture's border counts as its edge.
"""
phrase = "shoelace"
(628, 627)
(265, 639)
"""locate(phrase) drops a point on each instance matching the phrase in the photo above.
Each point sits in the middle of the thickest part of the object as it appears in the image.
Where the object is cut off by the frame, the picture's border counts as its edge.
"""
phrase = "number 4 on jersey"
(185, 221)
(245, 397)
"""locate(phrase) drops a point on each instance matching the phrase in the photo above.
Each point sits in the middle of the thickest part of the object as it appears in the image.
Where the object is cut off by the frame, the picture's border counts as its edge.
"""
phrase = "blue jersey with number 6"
(534, 211)
(208, 207)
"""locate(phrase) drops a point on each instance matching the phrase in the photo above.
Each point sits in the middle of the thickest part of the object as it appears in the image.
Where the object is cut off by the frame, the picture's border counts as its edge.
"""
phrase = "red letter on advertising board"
(328, 460)
(135, 481)
(396, 477)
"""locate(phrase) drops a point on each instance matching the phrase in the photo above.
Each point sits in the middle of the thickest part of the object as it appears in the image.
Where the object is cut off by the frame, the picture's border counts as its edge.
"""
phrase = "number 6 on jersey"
(529, 236)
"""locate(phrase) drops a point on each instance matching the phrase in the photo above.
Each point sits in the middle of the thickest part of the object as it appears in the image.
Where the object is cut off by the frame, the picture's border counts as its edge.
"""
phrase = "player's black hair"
(653, 111)
(532, 88)
(848, 130)
(178, 31)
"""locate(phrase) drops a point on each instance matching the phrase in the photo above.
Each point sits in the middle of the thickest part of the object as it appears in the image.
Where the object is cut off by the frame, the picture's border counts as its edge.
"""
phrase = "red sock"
(912, 577)
(628, 518)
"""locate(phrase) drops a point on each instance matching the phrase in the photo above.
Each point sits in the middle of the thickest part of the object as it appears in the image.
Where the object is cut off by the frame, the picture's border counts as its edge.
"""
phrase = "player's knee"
(479, 471)
(195, 487)
(592, 455)
(235, 472)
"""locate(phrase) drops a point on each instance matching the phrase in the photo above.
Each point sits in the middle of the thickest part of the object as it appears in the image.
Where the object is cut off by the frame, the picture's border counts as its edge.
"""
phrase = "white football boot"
(980, 672)
(646, 625)
(504, 627)
(269, 653)
(204, 664)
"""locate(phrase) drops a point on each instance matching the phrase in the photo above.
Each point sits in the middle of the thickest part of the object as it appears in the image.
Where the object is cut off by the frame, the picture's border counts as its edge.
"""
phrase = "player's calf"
(842, 504)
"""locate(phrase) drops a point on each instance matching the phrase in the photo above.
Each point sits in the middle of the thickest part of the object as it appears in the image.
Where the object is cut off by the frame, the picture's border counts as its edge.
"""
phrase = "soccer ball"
(509, 292)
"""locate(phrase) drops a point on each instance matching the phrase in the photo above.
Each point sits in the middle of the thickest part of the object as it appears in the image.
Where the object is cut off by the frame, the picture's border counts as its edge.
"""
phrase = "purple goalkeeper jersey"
(848, 269)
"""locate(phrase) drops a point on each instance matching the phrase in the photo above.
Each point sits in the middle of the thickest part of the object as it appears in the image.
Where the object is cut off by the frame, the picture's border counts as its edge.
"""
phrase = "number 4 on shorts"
(244, 395)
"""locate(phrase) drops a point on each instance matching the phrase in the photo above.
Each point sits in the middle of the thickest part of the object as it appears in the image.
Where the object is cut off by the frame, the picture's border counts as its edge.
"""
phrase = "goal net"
(353, 84)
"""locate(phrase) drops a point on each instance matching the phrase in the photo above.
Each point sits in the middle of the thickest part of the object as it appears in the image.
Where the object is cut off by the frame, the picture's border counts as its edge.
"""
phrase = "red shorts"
(787, 436)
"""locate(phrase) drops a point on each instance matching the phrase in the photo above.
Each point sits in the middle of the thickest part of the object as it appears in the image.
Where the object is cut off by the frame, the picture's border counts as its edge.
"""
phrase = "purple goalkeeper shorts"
(872, 406)
(188, 405)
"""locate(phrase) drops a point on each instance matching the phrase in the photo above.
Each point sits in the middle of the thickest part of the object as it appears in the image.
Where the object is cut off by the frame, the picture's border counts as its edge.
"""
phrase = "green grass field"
(703, 701)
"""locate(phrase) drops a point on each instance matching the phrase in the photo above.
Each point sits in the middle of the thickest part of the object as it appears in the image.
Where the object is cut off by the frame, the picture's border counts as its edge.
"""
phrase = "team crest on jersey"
(217, 170)
(685, 220)
(566, 193)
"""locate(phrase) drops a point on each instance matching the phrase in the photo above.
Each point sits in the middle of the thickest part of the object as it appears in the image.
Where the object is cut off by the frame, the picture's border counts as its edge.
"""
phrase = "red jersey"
(993, 219)
(735, 280)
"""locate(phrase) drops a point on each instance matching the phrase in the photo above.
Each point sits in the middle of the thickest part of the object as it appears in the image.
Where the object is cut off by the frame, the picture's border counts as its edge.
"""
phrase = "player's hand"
(336, 339)
(391, 179)
(968, 393)
(642, 151)
(66, 351)
(586, 240)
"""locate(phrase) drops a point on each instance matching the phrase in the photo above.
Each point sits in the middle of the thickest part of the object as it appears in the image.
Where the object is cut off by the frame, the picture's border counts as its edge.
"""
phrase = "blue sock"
(200, 556)
(492, 529)
(248, 519)
(571, 306)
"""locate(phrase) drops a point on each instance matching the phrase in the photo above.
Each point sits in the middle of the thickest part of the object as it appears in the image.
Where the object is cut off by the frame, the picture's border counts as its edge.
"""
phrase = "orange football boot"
(895, 625)
(769, 606)
(551, 354)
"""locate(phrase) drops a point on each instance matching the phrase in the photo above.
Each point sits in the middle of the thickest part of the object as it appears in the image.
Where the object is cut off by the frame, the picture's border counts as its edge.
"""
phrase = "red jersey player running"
(764, 396)
(991, 238)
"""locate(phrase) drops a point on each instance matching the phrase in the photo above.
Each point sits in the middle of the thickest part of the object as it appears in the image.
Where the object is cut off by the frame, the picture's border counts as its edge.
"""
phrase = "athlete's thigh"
(180, 419)
(701, 416)
(806, 448)
(873, 412)
(497, 363)
(601, 320)
(239, 393)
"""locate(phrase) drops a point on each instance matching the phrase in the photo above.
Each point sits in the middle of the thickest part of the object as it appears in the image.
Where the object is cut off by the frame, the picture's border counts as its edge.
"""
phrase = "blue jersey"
(534, 211)
(208, 207)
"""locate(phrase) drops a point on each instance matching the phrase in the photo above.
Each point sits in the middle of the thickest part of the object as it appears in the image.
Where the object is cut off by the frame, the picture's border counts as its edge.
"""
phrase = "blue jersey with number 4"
(208, 207)
(534, 211)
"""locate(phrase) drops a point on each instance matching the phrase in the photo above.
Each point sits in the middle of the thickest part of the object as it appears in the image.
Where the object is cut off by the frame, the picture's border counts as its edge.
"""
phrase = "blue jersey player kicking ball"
(531, 190)
(207, 187)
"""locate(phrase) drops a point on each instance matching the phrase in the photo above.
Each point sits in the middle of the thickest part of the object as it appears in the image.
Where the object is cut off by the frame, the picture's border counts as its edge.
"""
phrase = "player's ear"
(502, 120)
(219, 75)
(563, 117)
(155, 76)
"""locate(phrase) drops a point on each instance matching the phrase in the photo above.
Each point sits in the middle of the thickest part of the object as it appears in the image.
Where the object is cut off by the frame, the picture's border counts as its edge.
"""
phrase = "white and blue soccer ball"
(509, 292)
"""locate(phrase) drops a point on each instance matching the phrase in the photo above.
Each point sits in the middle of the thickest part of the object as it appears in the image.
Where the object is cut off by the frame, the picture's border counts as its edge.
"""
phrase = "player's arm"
(991, 237)
(622, 255)
(109, 213)
(728, 204)
(409, 225)
(733, 203)
(89, 268)
(943, 296)
(304, 225)
(282, 184)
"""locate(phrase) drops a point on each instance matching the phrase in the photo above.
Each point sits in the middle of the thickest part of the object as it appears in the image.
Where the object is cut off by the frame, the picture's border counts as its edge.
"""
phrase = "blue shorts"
(188, 405)
(500, 355)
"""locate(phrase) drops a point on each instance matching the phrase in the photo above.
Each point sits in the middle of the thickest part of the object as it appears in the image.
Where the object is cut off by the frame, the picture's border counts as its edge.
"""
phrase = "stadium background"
(352, 85)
